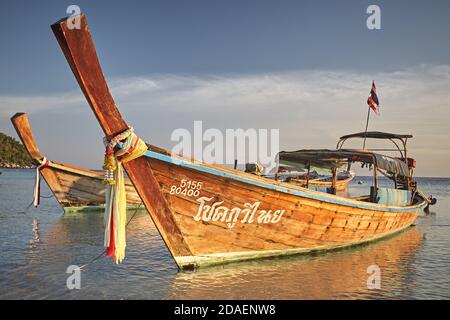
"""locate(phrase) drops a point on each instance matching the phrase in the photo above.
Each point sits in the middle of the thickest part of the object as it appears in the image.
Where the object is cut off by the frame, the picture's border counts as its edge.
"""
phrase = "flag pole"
(367, 125)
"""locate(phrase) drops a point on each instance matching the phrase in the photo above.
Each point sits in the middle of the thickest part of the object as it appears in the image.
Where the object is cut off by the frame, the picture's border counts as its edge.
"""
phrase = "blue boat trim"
(189, 165)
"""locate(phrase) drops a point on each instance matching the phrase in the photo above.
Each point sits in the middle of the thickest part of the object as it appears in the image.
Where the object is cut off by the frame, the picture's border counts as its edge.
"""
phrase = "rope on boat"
(27, 208)
(103, 253)
(122, 148)
(47, 197)
(32, 202)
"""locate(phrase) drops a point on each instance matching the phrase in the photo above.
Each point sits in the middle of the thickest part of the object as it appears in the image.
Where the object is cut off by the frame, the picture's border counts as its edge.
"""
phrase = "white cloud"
(311, 108)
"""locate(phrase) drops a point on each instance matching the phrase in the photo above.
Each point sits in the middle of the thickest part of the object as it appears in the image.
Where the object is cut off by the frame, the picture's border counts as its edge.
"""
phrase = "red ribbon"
(110, 250)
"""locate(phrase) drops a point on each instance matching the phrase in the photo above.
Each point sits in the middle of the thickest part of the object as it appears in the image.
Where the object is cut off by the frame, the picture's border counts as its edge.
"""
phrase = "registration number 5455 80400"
(187, 188)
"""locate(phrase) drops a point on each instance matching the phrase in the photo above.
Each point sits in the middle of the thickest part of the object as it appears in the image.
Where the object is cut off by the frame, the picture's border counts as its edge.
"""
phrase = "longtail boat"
(207, 214)
(312, 179)
(80, 190)
(75, 189)
(324, 182)
(319, 182)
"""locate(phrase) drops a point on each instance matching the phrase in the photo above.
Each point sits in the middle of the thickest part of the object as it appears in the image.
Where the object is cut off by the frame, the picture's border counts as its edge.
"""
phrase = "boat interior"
(398, 189)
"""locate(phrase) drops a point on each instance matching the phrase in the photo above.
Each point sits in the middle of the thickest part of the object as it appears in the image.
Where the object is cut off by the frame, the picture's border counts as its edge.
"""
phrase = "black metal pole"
(307, 177)
(367, 125)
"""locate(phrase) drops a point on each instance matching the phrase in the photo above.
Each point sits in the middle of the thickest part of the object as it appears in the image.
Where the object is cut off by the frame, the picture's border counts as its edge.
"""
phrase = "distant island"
(13, 154)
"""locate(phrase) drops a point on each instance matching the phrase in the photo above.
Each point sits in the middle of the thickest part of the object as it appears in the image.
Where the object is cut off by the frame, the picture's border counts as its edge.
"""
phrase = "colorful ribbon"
(131, 148)
(37, 184)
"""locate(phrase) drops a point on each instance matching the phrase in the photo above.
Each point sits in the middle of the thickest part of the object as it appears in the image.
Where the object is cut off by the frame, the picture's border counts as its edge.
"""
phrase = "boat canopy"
(393, 137)
(337, 158)
(376, 135)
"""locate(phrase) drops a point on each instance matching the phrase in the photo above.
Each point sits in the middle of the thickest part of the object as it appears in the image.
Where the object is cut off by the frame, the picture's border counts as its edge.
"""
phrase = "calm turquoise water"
(38, 245)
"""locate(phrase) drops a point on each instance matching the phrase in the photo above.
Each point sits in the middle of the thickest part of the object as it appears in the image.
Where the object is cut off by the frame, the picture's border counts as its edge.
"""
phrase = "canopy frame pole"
(405, 141)
(333, 180)
(307, 176)
(395, 180)
(375, 182)
(277, 167)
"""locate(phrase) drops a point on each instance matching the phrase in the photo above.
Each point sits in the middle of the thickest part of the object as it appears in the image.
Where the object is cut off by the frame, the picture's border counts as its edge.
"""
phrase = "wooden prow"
(79, 50)
(23, 129)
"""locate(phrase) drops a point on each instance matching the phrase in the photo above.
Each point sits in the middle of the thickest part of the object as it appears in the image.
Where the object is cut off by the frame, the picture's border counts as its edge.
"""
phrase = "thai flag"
(372, 100)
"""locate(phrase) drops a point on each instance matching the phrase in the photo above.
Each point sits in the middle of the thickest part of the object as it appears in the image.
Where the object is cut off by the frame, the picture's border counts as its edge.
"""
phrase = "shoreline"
(17, 167)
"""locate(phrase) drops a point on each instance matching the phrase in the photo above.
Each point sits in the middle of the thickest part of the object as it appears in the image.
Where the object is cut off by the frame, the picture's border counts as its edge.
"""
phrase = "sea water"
(38, 245)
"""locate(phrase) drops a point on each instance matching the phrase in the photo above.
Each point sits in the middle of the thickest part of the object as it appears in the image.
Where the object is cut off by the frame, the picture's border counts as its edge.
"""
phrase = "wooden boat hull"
(81, 190)
(208, 214)
(75, 189)
(346, 274)
(235, 216)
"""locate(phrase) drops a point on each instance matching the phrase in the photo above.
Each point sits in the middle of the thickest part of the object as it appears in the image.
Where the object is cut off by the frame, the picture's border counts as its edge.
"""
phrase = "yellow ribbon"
(116, 202)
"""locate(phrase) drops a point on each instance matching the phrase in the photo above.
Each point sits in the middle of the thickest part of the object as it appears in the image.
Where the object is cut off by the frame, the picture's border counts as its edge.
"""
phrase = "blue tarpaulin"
(393, 197)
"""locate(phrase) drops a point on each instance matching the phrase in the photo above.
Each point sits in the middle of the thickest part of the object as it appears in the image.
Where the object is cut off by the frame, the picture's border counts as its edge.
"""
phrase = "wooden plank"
(70, 185)
(23, 129)
(79, 50)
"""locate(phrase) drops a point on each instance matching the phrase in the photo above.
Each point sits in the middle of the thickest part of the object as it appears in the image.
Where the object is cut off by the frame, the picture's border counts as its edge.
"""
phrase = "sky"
(303, 67)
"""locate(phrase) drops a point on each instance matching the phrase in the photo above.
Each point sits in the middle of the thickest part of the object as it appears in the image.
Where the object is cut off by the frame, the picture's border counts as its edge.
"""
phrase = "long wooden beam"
(79, 50)
(23, 129)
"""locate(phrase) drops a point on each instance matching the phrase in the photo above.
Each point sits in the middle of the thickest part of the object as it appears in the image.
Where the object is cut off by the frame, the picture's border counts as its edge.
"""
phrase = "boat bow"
(80, 52)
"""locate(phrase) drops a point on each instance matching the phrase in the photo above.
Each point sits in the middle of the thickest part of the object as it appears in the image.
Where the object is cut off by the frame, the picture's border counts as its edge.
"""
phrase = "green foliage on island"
(13, 153)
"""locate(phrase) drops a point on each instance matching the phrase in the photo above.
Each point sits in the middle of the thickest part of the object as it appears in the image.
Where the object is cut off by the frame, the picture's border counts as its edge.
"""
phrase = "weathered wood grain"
(304, 226)
(79, 50)
(72, 186)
